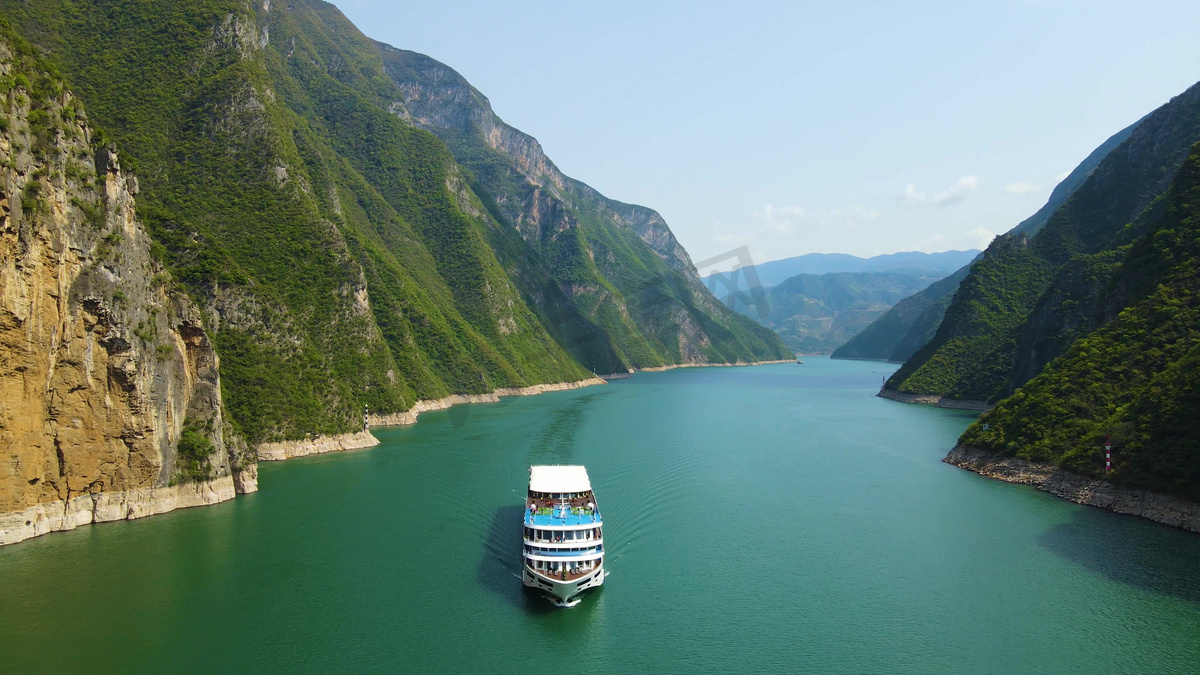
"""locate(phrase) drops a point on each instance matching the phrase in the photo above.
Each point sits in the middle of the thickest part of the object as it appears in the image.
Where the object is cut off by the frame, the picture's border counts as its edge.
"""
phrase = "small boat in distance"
(564, 544)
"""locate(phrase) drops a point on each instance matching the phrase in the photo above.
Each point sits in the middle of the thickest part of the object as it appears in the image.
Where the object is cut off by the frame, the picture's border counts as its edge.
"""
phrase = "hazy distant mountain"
(913, 263)
(814, 313)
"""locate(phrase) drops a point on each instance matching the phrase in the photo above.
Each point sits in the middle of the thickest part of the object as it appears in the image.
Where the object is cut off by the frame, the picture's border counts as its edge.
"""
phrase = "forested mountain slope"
(899, 333)
(342, 257)
(619, 263)
(1030, 296)
(1137, 378)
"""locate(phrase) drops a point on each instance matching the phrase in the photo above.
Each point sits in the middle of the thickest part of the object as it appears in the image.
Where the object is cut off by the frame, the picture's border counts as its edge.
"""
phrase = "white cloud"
(955, 193)
(1022, 188)
(787, 219)
(1061, 177)
(977, 238)
(912, 197)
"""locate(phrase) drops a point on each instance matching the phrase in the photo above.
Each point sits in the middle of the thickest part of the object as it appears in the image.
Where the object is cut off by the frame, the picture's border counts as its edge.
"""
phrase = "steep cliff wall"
(110, 399)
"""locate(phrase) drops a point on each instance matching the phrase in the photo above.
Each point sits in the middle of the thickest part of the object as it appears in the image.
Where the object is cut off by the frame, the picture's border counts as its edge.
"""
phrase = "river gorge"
(778, 518)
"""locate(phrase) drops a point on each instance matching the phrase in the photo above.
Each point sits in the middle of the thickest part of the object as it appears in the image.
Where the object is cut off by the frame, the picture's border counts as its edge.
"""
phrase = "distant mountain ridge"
(814, 313)
(914, 263)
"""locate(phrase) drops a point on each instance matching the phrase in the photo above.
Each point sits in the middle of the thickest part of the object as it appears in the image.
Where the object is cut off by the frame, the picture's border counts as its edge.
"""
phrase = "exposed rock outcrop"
(278, 451)
(103, 507)
(105, 368)
(933, 399)
(1079, 489)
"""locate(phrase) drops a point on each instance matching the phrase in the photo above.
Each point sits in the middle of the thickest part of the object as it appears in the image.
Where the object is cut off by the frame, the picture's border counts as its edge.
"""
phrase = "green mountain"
(1136, 379)
(901, 332)
(618, 263)
(342, 256)
(814, 313)
(1034, 292)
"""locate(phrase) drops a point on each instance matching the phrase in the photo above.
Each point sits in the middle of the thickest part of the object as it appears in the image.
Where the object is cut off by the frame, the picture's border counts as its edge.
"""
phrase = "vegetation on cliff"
(342, 256)
(902, 331)
(1030, 295)
(622, 266)
(102, 358)
(1136, 380)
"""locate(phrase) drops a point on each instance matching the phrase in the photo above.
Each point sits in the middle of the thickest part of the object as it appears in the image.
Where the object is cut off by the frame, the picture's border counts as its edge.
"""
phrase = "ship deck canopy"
(558, 479)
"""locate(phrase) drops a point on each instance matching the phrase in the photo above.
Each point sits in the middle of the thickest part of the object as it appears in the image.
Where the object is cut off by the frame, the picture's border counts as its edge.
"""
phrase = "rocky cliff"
(110, 398)
(293, 220)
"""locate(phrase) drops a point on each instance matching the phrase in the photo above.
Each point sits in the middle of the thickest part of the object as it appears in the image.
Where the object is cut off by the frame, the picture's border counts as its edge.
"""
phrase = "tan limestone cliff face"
(101, 363)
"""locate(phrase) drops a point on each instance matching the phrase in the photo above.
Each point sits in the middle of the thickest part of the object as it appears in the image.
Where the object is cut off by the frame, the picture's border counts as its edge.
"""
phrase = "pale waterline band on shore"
(934, 400)
(105, 507)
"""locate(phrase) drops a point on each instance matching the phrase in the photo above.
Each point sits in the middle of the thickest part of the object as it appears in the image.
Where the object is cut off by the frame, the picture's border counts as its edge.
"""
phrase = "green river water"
(762, 519)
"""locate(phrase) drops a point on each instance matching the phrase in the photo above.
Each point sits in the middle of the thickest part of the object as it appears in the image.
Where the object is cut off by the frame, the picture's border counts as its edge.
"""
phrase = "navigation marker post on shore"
(1107, 454)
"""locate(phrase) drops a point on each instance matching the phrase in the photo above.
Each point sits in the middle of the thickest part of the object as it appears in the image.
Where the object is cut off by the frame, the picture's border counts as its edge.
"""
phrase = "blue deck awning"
(557, 520)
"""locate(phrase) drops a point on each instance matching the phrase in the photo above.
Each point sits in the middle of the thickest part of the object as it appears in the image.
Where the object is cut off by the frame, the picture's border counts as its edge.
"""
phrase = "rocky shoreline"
(1079, 489)
(281, 450)
(410, 416)
(934, 400)
(105, 507)
(673, 366)
(60, 516)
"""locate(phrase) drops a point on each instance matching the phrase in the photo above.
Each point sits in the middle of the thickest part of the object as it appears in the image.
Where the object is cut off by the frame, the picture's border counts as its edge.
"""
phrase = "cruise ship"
(564, 544)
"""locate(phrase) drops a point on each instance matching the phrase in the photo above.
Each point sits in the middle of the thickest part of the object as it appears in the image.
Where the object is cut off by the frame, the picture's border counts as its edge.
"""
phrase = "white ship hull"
(564, 593)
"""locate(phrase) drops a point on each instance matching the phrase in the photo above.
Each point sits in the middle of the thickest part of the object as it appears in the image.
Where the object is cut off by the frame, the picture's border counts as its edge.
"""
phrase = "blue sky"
(848, 127)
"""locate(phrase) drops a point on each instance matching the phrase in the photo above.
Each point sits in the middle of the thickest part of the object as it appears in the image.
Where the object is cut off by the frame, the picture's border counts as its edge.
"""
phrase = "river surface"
(768, 519)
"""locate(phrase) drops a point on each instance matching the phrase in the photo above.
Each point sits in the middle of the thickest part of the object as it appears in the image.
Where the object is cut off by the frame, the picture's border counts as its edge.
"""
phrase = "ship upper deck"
(561, 510)
(560, 497)
(556, 517)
